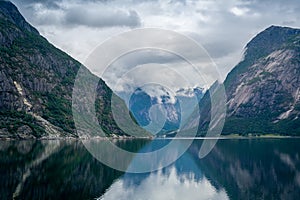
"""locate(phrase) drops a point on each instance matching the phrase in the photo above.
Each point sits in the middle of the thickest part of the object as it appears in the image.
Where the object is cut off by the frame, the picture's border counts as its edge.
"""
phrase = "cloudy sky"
(222, 27)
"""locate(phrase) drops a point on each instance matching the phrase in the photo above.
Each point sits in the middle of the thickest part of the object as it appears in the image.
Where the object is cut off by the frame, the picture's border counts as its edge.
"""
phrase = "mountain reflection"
(235, 169)
(255, 168)
(51, 170)
(182, 180)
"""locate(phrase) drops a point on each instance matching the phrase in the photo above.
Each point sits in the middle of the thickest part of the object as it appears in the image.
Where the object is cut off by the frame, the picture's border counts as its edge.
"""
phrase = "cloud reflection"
(161, 186)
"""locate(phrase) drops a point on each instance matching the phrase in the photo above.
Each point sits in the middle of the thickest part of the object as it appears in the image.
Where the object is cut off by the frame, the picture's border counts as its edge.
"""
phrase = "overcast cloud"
(222, 27)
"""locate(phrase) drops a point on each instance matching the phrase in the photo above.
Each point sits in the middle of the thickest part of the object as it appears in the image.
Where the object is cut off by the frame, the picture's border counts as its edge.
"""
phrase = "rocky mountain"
(160, 111)
(263, 90)
(197, 92)
(188, 98)
(157, 114)
(36, 83)
(265, 87)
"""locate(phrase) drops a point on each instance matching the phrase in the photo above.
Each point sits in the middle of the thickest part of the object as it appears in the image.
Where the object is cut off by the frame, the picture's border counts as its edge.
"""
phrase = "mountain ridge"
(36, 83)
(263, 89)
(163, 111)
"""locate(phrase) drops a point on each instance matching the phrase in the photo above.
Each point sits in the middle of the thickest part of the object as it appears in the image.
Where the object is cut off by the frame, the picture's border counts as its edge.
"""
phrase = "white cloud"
(159, 186)
(239, 11)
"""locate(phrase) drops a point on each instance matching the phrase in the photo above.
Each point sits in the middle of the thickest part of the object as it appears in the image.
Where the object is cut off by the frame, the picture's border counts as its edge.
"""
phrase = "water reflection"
(182, 180)
(51, 170)
(255, 169)
(235, 169)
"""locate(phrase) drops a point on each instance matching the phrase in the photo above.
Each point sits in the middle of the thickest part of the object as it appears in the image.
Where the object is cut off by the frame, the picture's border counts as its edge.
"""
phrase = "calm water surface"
(235, 169)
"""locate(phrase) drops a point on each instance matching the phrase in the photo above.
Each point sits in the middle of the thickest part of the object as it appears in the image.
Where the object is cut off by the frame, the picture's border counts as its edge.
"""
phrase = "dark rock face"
(36, 83)
(263, 89)
(11, 13)
(140, 104)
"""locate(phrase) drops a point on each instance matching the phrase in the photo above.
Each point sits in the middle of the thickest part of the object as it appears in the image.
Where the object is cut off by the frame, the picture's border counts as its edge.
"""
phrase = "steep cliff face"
(263, 89)
(36, 82)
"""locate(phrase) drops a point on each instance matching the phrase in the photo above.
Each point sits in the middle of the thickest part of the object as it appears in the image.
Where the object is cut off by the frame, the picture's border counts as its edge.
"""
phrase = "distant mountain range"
(36, 83)
(161, 111)
(263, 90)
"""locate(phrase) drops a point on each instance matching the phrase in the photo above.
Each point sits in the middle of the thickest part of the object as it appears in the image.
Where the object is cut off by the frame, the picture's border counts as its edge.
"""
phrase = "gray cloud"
(90, 13)
(47, 3)
(101, 18)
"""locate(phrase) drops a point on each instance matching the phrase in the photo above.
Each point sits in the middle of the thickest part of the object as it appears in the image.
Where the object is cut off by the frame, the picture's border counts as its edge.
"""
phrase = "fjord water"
(234, 169)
